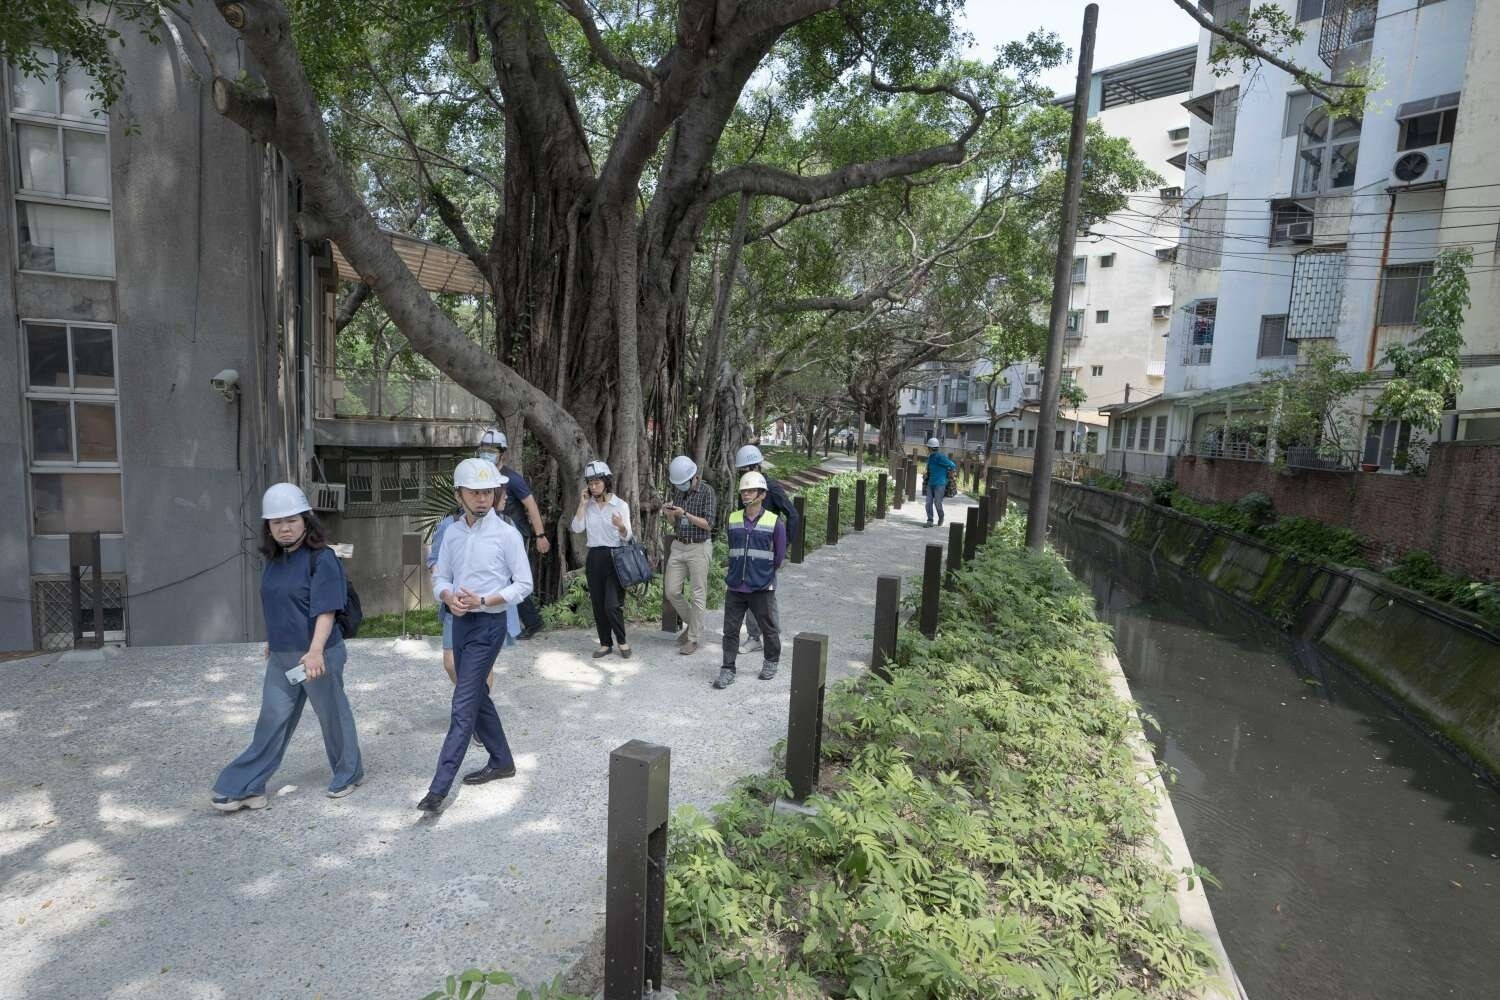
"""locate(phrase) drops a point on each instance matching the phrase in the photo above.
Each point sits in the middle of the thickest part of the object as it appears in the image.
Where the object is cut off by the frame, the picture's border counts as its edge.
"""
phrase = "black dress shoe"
(530, 631)
(484, 774)
(432, 802)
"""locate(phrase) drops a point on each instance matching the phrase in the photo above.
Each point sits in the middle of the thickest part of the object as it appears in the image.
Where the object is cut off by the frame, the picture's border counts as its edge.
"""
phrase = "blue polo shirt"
(294, 591)
(517, 489)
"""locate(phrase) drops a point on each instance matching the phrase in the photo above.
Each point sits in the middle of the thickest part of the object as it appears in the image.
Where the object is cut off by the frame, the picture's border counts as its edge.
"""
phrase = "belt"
(684, 541)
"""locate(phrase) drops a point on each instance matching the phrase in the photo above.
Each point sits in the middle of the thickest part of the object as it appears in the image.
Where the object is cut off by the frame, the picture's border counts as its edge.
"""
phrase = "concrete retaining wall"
(1442, 663)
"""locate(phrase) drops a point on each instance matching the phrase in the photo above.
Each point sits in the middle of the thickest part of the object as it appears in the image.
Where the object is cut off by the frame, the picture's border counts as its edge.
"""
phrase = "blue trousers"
(935, 497)
(281, 704)
(477, 637)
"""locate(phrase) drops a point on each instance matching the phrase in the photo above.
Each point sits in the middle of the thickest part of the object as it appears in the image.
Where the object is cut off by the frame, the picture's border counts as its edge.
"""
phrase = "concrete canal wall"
(1440, 662)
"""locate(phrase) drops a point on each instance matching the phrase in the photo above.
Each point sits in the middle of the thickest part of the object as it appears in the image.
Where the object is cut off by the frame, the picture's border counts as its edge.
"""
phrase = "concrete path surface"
(118, 880)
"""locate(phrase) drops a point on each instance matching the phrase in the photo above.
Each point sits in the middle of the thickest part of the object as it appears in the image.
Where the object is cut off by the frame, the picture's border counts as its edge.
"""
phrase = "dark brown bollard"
(635, 881)
(799, 544)
(833, 515)
(955, 552)
(887, 607)
(971, 533)
(882, 486)
(860, 487)
(932, 586)
(804, 723)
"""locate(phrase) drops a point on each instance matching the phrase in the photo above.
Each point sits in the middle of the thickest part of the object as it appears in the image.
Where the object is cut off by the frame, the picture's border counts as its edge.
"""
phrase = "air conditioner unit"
(1032, 378)
(1030, 392)
(1418, 167)
(1292, 233)
(328, 496)
(1168, 254)
(1161, 312)
(1170, 193)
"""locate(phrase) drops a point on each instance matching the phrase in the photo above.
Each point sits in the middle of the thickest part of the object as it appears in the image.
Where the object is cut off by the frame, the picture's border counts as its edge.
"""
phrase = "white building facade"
(1299, 230)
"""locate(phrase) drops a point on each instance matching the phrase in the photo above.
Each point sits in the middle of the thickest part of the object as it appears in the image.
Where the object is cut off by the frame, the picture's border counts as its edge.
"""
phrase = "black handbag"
(632, 568)
(951, 490)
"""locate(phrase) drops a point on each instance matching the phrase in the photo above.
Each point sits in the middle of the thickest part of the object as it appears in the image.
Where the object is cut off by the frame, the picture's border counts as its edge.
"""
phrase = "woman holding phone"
(604, 520)
(302, 588)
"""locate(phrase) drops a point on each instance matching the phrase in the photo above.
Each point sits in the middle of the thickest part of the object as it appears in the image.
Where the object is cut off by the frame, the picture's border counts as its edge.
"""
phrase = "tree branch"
(350, 306)
(624, 67)
(1315, 84)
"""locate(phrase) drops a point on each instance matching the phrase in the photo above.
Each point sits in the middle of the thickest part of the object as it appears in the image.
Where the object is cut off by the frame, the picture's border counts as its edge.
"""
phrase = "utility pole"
(1041, 468)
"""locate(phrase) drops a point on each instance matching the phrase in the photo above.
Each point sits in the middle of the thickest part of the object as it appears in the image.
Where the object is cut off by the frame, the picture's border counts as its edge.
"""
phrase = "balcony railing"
(959, 409)
(367, 393)
(1346, 23)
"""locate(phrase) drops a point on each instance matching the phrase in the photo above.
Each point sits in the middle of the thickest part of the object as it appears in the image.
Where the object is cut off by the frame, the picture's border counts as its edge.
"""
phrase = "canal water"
(1357, 858)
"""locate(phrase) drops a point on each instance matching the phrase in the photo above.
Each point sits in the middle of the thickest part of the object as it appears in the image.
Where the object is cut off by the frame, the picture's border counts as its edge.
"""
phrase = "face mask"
(492, 457)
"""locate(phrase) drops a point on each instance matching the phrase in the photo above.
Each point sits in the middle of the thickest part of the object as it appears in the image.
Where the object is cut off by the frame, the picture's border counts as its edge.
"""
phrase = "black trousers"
(530, 615)
(761, 606)
(606, 595)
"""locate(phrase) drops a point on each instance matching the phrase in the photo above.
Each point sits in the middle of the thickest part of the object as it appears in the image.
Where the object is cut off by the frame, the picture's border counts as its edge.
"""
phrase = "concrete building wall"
(206, 277)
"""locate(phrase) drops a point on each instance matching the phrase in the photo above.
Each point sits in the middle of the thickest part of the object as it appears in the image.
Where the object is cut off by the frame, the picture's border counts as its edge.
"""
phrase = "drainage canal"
(1357, 858)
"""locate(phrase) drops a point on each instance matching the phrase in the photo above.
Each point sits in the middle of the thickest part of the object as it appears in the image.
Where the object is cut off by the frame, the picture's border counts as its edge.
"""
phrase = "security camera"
(226, 382)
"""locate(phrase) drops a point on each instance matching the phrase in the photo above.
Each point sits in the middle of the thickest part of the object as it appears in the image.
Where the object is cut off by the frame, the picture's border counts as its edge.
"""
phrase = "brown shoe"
(682, 637)
(687, 649)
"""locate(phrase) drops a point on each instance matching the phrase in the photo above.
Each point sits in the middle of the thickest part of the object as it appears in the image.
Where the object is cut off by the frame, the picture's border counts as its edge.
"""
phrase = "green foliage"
(815, 527)
(421, 621)
(789, 461)
(1419, 571)
(1162, 490)
(1257, 509)
(982, 829)
(1223, 514)
(1307, 405)
(1070, 394)
(1425, 378)
(1271, 29)
(81, 34)
(474, 984)
(1316, 541)
(1106, 481)
(573, 610)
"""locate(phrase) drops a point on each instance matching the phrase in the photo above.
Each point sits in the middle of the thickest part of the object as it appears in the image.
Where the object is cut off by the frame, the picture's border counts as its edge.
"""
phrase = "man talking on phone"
(691, 514)
(481, 575)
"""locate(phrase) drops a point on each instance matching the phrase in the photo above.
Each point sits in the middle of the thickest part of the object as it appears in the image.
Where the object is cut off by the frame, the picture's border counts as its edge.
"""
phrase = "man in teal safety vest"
(757, 548)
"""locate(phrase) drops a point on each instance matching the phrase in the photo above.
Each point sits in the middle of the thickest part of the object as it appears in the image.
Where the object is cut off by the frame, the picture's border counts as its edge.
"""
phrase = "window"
(1178, 134)
(1075, 322)
(1273, 342)
(1159, 436)
(61, 168)
(1060, 441)
(1130, 434)
(1169, 193)
(361, 481)
(1402, 288)
(1200, 333)
(1327, 153)
(1291, 223)
(1005, 435)
(1005, 390)
(72, 406)
(409, 472)
(1221, 133)
(1101, 315)
(1032, 378)
(1107, 260)
(1427, 130)
(1080, 269)
(1309, 10)
(1096, 371)
(1386, 444)
(1031, 438)
(1297, 107)
(1116, 427)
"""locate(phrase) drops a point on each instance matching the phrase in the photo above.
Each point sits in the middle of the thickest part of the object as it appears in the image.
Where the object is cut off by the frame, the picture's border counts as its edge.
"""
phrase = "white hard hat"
(681, 471)
(596, 470)
(283, 500)
(478, 474)
(494, 437)
(934, 443)
(748, 455)
(752, 481)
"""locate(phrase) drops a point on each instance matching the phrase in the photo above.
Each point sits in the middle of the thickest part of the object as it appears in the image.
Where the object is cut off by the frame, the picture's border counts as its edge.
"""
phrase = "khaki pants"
(690, 560)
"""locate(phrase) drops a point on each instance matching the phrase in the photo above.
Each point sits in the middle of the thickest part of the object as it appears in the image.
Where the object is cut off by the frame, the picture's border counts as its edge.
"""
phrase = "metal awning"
(1202, 105)
(437, 268)
(1179, 161)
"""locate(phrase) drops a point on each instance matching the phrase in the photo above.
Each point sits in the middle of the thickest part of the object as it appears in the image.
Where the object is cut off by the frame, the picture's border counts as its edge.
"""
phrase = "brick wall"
(1453, 512)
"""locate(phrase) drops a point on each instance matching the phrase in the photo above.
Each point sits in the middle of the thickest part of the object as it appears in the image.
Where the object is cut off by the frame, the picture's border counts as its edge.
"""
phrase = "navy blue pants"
(476, 642)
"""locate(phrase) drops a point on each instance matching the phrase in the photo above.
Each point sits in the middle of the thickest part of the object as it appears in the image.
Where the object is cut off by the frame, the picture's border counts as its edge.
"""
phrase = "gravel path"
(119, 880)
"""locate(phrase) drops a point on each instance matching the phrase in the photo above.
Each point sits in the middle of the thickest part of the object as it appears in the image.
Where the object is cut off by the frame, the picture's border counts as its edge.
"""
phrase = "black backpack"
(349, 617)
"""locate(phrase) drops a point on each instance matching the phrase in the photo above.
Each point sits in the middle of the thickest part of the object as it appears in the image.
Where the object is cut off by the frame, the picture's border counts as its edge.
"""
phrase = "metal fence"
(359, 392)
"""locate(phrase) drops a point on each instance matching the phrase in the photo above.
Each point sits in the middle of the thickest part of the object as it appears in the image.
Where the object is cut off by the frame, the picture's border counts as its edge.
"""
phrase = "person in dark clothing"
(757, 548)
(521, 509)
(749, 459)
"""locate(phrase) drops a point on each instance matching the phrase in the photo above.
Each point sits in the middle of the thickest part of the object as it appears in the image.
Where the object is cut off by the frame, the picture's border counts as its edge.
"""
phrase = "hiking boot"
(767, 671)
(750, 645)
(726, 678)
(227, 805)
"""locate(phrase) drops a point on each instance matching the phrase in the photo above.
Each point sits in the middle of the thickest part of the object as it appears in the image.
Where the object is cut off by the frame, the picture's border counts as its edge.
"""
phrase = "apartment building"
(1300, 230)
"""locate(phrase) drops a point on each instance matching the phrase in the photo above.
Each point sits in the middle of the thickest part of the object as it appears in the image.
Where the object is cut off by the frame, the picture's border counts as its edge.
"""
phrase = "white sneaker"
(227, 805)
(750, 645)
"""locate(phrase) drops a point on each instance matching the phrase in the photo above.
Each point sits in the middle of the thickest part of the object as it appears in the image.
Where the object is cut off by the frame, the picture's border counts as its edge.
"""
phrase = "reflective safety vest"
(752, 550)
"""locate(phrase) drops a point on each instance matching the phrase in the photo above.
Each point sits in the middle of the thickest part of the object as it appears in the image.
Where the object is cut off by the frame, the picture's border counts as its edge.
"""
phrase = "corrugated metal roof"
(437, 268)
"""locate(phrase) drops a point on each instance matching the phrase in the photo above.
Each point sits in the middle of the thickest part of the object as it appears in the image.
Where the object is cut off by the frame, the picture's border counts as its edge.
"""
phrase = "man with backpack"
(482, 575)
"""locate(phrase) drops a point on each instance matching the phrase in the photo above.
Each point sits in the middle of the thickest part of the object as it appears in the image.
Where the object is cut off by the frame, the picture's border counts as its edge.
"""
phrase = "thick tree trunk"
(708, 382)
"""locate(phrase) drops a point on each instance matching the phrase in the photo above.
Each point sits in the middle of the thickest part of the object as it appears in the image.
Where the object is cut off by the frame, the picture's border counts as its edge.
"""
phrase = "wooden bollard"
(799, 544)
(911, 478)
(635, 880)
(971, 533)
(887, 607)
(955, 552)
(804, 723)
(984, 525)
(882, 486)
(932, 586)
(670, 622)
(860, 487)
(833, 515)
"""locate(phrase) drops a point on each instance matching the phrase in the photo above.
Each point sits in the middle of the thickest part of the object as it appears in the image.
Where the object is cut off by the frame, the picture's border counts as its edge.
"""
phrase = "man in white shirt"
(481, 575)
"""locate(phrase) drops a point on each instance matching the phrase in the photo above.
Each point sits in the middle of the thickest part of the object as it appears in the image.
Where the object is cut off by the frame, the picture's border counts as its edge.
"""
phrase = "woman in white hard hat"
(302, 589)
(692, 515)
(482, 574)
(604, 520)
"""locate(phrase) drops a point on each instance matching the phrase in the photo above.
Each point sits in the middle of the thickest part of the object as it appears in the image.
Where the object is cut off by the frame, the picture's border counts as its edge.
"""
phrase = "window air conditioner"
(1032, 378)
(1030, 392)
(1417, 167)
(1299, 232)
(328, 496)
(1161, 312)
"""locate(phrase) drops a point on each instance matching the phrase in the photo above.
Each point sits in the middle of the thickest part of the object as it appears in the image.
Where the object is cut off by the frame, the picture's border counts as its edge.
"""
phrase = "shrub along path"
(120, 881)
